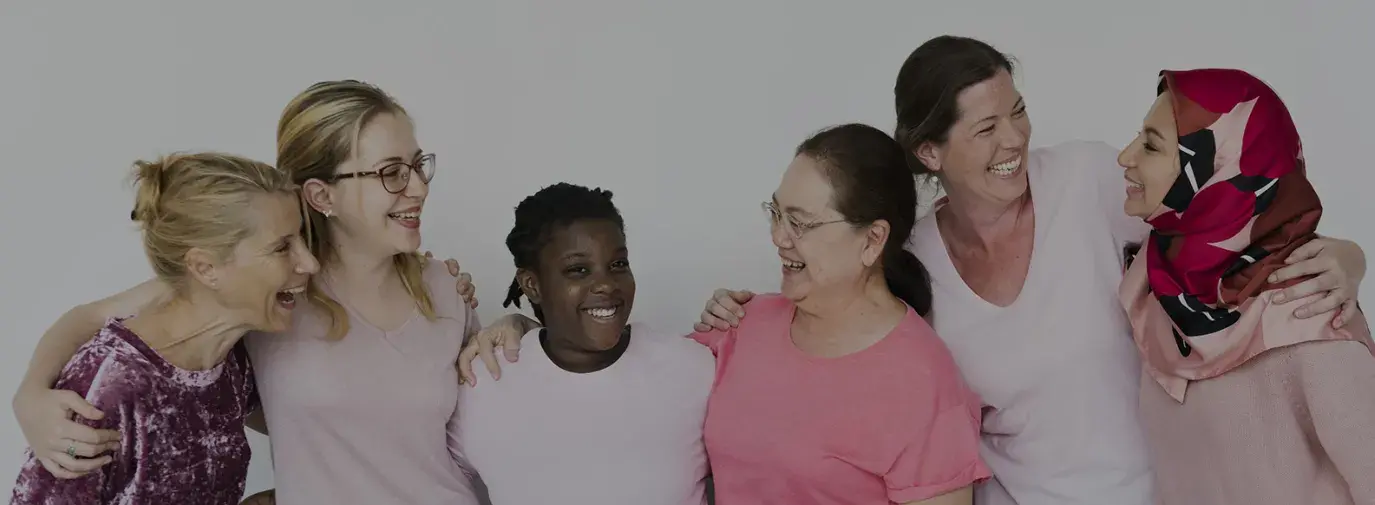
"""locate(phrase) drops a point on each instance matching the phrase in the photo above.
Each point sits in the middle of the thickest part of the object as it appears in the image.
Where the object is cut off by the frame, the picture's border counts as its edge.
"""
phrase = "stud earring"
(329, 214)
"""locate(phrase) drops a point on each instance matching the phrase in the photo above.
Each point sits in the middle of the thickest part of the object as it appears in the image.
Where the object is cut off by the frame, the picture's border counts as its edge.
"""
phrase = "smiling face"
(1151, 161)
(830, 254)
(985, 150)
(264, 278)
(583, 284)
(362, 208)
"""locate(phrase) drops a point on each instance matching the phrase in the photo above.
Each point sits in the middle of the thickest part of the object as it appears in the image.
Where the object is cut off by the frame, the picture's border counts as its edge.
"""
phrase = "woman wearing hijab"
(1241, 401)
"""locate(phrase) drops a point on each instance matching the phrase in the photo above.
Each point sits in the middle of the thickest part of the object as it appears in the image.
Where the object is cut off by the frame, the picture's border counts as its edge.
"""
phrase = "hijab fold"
(1242, 203)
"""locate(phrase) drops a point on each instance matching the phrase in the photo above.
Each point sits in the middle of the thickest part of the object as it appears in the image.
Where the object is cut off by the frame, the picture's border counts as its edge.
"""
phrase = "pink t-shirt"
(629, 434)
(891, 423)
(366, 419)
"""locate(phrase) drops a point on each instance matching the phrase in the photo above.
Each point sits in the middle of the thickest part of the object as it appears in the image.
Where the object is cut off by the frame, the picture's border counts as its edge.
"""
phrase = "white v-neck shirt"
(1057, 368)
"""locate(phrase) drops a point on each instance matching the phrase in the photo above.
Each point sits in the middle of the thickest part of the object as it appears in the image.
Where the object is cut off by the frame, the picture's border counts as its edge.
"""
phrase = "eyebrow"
(583, 255)
(1019, 103)
(792, 209)
(397, 159)
(1150, 130)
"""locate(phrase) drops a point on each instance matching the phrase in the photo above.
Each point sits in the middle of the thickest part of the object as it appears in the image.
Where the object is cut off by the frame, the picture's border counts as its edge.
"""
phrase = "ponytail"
(907, 279)
(513, 295)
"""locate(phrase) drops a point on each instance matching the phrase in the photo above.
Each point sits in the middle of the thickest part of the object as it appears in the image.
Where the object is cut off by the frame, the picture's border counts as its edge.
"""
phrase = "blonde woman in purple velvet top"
(174, 381)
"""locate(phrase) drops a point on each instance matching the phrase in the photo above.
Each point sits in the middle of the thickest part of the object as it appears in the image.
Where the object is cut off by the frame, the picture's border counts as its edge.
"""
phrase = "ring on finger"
(71, 450)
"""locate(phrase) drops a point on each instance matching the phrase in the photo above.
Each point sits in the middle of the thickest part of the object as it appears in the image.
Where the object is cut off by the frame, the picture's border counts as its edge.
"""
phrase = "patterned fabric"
(1241, 204)
(181, 431)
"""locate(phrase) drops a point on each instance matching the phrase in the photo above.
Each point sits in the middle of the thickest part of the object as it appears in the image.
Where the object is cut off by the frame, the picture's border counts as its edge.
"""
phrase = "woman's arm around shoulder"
(44, 413)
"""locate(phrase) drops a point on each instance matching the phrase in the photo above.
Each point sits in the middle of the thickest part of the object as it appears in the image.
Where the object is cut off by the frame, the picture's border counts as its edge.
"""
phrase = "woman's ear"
(529, 284)
(929, 154)
(318, 196)
(203, 266)
(874, 241)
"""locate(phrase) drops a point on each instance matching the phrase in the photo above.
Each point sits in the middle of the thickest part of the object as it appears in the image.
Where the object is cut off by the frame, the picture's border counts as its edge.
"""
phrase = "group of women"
(981, 353)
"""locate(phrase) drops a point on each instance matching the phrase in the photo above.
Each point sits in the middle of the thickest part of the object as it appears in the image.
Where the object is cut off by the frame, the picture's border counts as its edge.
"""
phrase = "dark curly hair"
(540, 214)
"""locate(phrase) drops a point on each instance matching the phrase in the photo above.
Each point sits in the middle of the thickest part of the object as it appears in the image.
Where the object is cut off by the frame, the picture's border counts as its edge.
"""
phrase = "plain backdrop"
(688, 111)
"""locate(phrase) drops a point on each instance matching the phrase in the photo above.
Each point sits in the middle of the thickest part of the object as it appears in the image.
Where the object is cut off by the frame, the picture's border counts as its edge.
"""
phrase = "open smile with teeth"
(602, 312)
(1133, 184)
(795, 266)
(287, 297)
(1007, 167)
(405, 215)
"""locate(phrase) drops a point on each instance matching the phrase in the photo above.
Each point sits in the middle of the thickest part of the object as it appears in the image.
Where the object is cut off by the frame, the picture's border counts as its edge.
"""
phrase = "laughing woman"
(174, 382)
(1278, 409)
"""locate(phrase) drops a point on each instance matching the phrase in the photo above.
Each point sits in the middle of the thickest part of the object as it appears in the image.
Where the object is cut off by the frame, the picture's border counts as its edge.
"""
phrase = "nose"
(1012, 137)
(306, 263)
(780, 237)
(1126, 158)
(602, 283)
(416, 187)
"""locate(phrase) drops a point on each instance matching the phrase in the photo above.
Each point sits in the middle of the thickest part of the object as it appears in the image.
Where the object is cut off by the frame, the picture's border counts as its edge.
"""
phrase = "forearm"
(80, 324)
(59, 343)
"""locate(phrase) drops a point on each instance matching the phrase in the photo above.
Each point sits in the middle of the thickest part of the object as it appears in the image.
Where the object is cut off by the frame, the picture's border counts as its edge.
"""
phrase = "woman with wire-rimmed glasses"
(360, 393)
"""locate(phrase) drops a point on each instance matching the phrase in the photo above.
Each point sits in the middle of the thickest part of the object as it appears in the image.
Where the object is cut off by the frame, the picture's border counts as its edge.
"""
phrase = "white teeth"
(794, 265)
(1006, 168)
(1136, 185)
(603, 313)
(404, 215)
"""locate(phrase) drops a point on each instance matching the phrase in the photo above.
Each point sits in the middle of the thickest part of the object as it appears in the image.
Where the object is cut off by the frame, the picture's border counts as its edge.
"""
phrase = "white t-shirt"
(1057, 368)
(629, 434)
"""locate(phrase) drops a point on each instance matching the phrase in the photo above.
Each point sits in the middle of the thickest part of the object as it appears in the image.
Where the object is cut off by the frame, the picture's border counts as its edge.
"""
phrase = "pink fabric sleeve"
(941, 458)
(1337, 380)
(714, 339)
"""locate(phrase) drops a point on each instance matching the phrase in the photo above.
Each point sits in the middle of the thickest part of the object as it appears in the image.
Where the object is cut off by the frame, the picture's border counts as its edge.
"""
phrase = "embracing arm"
(79, 324)
(506, 332)
(44, 414)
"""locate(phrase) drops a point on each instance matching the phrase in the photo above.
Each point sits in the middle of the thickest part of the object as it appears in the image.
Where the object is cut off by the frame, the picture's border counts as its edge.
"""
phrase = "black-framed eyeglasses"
(396, 176)
(791, 225)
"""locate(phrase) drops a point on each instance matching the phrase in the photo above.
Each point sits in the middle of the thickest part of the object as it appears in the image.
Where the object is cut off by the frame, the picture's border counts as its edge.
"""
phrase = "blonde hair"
(189, 201)
(318, 131)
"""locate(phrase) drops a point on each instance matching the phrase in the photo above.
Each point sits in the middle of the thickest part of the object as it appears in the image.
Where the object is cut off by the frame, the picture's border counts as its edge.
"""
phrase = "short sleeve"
(940, 457)
(714, 339)
(1100, 160)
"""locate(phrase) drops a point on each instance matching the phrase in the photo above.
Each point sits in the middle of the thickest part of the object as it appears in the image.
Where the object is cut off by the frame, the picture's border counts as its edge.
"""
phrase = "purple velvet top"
(181, 432)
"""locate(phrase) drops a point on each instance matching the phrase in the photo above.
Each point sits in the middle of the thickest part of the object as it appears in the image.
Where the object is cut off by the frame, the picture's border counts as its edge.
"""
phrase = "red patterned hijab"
(1241, 204)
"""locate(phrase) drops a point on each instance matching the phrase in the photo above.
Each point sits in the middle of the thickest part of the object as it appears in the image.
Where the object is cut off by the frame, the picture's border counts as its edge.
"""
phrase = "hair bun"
(149, 178)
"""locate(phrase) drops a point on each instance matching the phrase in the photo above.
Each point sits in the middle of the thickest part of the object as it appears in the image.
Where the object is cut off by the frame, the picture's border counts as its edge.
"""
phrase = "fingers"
(1323, 305)
(74, 431)
(510, 347)
(486, 351)
(1301, 269)
(1344, 314)
(79, 466)
(701, 327)
(453, 266)
(710, 322)
(57, 470)
(1326, 283)
(742, 296)
(465, 365)
(75, 403)
(1307, 251)
(85, 450)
